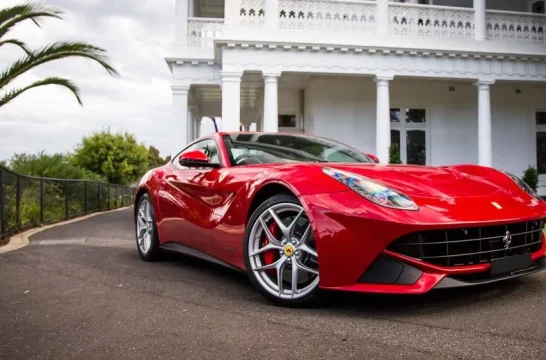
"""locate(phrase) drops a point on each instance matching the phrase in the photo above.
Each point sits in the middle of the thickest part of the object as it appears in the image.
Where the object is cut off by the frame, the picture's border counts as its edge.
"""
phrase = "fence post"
(18, 203)
(108, 196)
(42, 201)
(85, 197)
(2, 204)
(66, 200)
(98, 198)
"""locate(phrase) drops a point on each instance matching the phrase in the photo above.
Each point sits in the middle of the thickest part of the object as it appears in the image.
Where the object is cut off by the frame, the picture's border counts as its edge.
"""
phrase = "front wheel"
(280, 253)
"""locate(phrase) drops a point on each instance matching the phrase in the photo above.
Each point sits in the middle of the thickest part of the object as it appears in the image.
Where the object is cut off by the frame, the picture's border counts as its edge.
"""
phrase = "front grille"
(471, 245)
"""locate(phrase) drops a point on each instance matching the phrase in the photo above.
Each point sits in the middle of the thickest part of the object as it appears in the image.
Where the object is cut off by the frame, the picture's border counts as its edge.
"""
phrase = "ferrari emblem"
(507, 239)
(288, 250)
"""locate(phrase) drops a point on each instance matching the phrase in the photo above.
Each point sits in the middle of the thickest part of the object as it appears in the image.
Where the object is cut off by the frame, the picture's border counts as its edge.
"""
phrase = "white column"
(480, 27)
(382, 17)
(191, 8)
(190, 125)
(181, 22)
(383, 120)
(231, 100)
(271, 102)
(180, 118)
(197, 126)
(485, 143)
(231, 12)
(271, 9)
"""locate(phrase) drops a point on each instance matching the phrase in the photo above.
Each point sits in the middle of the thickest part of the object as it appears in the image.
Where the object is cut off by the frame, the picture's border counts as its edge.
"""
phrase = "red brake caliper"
(270, 255)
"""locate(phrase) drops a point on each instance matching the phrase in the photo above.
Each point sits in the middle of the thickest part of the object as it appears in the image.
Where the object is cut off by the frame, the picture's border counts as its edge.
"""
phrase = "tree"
(11, 16)
(52, 166)
(117, 157)
(154, 159)
(394, 154)
(530, 177)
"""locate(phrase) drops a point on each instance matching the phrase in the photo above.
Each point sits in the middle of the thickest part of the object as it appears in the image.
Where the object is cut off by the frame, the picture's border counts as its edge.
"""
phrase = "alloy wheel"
(282, 253)
(145, 226)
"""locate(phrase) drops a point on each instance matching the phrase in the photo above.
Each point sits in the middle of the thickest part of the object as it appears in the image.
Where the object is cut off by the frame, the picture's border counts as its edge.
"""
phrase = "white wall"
(344, 109)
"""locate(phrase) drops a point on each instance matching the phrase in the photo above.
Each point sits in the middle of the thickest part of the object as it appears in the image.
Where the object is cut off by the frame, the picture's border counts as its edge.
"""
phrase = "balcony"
(361, 23)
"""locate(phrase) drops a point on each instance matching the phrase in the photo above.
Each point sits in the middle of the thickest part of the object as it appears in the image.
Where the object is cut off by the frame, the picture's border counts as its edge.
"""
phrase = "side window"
(210, 149)
(207, 146)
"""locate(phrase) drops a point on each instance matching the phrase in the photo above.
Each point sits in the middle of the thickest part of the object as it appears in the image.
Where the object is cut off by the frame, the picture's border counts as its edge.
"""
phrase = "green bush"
(394, 154)
(530, 177)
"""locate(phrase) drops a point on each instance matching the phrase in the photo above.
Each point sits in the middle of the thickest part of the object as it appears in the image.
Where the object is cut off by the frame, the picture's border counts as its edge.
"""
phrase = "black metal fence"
(27, 201)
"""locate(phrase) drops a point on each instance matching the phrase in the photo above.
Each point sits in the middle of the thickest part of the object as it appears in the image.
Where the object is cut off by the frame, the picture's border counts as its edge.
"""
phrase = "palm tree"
(11, 16)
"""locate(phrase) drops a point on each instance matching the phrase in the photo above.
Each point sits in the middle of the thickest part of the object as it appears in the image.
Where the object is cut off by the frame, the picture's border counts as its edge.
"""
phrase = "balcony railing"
(431, 21)
(360, 17)
(516, 27)
(203, 31)
(324, 15)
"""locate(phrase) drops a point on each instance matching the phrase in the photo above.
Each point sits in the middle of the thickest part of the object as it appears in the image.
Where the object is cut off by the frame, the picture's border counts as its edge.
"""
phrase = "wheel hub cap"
(288, 250)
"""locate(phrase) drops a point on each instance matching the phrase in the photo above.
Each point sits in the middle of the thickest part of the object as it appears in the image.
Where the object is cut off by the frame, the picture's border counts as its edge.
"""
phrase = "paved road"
(95, 299)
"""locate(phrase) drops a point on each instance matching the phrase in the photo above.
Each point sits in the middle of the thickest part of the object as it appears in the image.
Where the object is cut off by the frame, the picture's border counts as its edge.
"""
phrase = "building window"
(409, 129)
(541, 141)
(288, 123)
(538, 7)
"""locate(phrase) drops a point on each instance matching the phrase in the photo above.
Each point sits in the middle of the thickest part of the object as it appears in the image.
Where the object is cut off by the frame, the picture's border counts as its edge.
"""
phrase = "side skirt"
(186, 250)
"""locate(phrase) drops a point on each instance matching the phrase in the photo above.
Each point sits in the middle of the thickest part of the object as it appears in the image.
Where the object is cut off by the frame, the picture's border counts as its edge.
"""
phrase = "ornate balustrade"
(516, 27)
(360, 17)
(431, 21)
(203, 31)
(323, 15)
(251, 13)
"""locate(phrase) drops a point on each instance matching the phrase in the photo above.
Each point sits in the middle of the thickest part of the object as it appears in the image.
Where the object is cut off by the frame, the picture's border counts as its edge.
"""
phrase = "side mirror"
(195, 158)
(373, 157)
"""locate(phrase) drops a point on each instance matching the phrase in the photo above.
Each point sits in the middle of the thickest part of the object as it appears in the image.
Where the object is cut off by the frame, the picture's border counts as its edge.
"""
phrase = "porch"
(434, 121)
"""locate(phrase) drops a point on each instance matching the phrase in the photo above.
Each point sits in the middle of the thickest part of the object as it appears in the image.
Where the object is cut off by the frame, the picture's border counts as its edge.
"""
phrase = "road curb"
(21, 240)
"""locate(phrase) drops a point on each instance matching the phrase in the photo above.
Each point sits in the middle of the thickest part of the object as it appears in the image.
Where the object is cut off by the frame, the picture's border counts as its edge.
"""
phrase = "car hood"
(423, 181)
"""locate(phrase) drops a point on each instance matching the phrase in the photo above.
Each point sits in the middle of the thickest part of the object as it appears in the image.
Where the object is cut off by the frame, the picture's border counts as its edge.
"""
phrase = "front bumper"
(352, 236)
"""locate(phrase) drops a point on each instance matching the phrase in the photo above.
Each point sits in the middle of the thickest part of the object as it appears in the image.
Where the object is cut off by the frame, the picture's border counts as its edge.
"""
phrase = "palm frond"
(52, 52)
(21, 44)
(48, 81)
(11, 16)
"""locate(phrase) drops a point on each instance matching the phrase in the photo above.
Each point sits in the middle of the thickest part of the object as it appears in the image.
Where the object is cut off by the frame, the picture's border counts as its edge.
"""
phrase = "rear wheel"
(280, 252)
(146, 230)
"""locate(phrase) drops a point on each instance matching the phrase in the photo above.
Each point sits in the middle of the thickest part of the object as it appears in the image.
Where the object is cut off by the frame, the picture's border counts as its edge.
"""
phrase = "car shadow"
(356, 303)
(436, 301)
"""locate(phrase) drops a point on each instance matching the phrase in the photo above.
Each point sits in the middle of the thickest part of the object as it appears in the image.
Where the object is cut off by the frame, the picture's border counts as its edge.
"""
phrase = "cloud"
(137, 36)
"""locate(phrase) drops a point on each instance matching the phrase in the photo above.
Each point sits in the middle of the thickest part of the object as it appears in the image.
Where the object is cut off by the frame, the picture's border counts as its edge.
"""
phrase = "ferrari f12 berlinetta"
(300, 214)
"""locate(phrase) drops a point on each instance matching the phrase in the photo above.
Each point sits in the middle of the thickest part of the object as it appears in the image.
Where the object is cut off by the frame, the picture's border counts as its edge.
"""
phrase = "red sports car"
(301, 213)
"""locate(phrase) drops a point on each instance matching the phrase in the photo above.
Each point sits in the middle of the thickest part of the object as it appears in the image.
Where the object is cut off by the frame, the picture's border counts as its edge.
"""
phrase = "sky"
(137, 35)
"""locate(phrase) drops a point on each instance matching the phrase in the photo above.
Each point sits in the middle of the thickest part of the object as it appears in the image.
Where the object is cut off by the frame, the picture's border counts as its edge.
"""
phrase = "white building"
(452, 81)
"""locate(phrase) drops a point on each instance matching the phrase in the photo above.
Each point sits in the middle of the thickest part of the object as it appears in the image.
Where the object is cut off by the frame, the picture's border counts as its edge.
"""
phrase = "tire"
(281, 254)
(148, 243)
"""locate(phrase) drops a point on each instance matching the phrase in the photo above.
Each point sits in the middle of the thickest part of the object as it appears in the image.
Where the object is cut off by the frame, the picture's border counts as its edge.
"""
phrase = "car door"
(188, 199)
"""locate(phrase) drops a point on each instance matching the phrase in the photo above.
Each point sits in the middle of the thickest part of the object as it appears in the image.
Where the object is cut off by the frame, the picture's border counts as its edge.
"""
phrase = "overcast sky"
(137, 35)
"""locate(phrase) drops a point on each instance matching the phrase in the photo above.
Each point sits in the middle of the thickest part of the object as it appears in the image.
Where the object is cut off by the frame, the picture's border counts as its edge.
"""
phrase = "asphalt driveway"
(80, 291)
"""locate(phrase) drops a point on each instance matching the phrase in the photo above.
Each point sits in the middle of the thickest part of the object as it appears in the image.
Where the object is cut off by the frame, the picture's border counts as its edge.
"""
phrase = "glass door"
(409, 130)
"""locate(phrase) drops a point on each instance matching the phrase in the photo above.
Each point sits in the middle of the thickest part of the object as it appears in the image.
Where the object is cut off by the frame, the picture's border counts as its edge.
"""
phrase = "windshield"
(247, 149)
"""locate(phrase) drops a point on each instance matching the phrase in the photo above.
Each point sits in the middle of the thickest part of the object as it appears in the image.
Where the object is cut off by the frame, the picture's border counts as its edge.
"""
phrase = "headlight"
(371, 190)
(523, 185)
